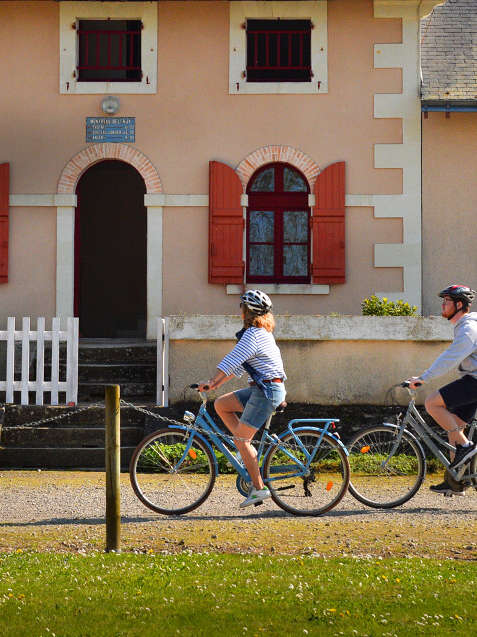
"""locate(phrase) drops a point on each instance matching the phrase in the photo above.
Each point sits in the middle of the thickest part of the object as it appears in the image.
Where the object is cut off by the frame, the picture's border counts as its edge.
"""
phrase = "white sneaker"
(255, 497)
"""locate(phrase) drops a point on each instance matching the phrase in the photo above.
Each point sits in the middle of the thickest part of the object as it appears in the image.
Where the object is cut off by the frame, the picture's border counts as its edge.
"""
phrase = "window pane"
(295, 260)
(292, 181)
(261, 260)
(265, 182)
(261, 226)
(295, 226)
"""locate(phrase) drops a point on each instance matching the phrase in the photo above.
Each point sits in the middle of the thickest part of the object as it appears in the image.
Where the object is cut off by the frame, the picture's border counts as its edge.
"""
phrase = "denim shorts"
(257, 408)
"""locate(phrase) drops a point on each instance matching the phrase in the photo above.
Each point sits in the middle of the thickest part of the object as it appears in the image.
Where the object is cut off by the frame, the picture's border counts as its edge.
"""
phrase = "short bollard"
(113, 468)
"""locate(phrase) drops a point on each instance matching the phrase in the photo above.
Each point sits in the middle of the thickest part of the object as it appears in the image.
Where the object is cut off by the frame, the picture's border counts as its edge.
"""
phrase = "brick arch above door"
(98, 152)
(277, 153)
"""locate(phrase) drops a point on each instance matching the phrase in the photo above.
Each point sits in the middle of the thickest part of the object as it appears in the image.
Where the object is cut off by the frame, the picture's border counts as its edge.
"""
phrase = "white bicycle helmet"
(256, 301)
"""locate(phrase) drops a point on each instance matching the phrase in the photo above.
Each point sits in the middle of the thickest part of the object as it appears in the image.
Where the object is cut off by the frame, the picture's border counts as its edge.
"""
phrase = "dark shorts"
(460, 397)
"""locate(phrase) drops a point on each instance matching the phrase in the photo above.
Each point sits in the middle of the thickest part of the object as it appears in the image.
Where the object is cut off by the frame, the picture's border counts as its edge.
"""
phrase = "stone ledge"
(317, 328)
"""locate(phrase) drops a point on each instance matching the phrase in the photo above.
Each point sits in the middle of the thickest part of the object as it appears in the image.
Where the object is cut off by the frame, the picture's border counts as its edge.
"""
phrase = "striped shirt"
(258, 348)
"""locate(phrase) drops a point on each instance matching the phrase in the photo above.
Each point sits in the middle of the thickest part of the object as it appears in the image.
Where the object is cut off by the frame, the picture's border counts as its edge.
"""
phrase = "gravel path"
(65, 511)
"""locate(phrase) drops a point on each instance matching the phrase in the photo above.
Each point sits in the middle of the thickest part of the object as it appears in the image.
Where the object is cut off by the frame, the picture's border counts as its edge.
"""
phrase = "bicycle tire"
(158, 485)
(367, 450)
(317, 492)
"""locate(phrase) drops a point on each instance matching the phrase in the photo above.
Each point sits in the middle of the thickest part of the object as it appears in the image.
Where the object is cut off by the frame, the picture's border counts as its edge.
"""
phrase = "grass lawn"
(64, 595)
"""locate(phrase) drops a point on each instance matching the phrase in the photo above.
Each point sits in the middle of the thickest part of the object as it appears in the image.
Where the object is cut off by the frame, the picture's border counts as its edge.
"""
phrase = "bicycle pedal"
(257, 504)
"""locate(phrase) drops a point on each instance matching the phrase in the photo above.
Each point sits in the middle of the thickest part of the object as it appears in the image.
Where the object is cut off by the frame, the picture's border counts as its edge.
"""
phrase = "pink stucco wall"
(191, 120)
(449, 194)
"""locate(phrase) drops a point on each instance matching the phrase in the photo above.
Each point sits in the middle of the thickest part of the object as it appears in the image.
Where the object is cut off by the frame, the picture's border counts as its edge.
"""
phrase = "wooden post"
(113, 467)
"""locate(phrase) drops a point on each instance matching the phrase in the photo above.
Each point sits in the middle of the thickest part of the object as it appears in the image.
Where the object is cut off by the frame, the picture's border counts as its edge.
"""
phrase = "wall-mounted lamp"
(110, 105)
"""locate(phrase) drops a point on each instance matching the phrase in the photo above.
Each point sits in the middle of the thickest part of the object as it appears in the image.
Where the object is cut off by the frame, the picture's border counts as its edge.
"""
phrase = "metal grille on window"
(109, 50)
(279, 51)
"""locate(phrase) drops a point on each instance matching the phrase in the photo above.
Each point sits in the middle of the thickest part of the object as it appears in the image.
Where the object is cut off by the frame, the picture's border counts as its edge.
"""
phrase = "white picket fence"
(162, 395)
(41, 336)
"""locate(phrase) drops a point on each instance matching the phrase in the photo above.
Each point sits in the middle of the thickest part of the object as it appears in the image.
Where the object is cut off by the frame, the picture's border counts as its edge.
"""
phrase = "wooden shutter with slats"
(328, 226)
(4, 195)
(226, 225)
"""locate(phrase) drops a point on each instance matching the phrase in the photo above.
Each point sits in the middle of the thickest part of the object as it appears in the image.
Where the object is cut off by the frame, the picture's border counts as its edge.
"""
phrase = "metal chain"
(194, 427)
(59, 417)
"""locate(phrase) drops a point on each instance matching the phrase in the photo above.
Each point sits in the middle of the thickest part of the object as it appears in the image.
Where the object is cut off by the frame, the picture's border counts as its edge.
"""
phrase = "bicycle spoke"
(384, 474)
(167, 479)
(308, 483)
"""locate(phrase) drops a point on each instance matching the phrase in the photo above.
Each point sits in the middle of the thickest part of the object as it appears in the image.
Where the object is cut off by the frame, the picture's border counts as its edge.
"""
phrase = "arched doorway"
(278, 226)
(110, 252)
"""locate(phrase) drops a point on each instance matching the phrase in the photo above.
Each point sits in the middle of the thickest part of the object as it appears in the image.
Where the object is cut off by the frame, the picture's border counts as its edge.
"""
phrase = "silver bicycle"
(388, 462)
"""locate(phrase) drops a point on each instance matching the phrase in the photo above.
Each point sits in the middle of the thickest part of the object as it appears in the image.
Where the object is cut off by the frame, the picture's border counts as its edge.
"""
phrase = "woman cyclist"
(256, 353)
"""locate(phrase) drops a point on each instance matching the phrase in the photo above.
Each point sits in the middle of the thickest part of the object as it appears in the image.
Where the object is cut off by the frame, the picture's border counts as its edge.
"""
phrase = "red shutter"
(4, 194)
(328, 226)
(225, 225)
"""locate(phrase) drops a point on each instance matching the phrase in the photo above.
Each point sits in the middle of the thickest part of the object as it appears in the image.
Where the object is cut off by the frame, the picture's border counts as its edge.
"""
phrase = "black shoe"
(463, 455)
(445, 489)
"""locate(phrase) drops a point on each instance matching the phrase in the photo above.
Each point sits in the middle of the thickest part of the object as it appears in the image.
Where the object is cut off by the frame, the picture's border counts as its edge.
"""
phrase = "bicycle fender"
(318, 430)
(391, 425)
(203, 439)
(328, 433)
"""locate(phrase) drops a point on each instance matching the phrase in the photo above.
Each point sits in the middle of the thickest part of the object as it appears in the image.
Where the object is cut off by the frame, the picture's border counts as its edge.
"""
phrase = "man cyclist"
(454, 405)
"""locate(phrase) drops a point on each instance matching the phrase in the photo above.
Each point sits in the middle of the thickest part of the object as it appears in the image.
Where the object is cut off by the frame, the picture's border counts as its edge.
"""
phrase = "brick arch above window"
(98, 152)
(272, 154)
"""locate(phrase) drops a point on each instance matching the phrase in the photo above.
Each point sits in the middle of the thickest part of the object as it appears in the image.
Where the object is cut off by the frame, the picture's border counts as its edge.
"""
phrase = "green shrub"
(374, 306)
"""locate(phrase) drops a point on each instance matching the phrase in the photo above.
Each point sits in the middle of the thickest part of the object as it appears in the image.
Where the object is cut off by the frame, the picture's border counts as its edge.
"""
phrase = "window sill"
(277, 88)
(281, 288)
(100, 88)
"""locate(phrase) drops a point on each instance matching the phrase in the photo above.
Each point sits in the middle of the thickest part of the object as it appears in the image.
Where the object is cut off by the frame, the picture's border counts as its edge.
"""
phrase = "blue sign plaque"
(110, 129)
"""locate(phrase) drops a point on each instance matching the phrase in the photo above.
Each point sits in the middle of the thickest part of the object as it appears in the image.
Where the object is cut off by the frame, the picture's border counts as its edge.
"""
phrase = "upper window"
(109, 50)
(278, 226)
(278, 51)
(108, 47)
(278, 47)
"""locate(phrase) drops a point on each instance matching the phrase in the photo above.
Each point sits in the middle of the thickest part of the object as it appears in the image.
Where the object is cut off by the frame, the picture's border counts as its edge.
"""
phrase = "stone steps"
(54, 458)
(58, 437)
(74, 441)
(91, 391)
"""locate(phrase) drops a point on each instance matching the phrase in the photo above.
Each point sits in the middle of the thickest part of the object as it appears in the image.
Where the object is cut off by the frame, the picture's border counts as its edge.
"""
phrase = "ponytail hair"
(266, 321)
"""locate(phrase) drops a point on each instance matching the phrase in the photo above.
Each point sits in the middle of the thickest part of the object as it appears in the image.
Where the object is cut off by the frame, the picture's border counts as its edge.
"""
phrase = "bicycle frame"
(425, 435)
(215, 436)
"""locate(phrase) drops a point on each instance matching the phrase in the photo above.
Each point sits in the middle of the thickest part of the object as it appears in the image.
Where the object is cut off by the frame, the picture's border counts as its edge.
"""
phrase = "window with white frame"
(108, 47)
(278, 47)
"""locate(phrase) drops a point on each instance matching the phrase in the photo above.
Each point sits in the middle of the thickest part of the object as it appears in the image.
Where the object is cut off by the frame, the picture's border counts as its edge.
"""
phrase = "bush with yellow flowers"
(374, 306)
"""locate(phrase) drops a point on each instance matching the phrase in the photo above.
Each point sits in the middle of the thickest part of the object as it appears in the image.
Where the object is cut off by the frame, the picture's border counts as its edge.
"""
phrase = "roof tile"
(449, 52)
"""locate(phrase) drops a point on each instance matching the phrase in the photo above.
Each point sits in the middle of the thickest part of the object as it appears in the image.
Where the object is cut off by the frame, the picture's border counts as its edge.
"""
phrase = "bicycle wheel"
(388, 485)
(325, 481)
(168, 480)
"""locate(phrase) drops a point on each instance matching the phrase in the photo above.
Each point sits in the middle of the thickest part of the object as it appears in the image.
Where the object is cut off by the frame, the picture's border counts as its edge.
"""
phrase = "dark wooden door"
(110, 243)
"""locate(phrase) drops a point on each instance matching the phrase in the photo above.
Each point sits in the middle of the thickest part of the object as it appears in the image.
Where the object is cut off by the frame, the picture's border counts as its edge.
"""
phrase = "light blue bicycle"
(173, 470)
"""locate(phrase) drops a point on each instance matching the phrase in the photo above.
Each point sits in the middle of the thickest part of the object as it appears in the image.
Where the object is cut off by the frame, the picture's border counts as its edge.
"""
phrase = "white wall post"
(65, 253)
(154, 267)
(162, 393)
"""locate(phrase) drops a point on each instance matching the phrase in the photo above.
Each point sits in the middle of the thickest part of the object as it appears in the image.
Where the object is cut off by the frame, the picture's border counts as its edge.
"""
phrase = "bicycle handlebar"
(202, 394)
(406, 384)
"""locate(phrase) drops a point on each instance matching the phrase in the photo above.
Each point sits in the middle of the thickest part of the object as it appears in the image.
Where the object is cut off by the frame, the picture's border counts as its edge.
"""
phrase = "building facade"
(260, 144)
